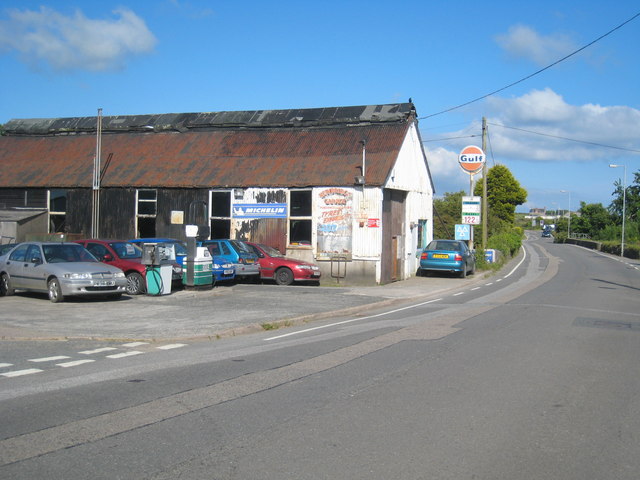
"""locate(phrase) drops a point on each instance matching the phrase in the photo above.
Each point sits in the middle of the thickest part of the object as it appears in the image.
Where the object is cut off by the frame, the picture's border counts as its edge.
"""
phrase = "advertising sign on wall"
(335, 222)
(260, 210)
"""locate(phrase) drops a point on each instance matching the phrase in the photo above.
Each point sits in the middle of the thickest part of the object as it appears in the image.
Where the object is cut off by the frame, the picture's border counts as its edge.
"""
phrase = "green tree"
(592, 221)
(447, 213)
(504, 194)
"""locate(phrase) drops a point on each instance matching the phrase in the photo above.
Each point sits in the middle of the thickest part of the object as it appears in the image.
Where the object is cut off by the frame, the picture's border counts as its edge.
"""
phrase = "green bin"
(202, 268)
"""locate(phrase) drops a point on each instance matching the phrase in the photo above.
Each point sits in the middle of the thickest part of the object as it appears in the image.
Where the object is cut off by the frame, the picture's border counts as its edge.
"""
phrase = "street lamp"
(624, 201)
(569, 225)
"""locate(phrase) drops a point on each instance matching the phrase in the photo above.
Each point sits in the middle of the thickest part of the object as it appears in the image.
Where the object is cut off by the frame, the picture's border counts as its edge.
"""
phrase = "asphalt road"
(528, 374)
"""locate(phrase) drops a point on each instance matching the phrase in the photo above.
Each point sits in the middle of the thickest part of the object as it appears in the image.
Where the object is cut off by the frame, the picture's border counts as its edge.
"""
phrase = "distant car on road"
(124, 255)
(285, 271)
(60, 269)
(448, 256)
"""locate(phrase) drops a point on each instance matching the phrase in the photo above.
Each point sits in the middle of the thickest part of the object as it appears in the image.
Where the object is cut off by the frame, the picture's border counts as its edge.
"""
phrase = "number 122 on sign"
(471, 219)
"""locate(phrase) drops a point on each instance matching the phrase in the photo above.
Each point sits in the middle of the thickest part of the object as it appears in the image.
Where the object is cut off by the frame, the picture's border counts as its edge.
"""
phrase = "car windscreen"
(240, 246)
(272, 252)
(440, 245)
(67, 253)
(126, 250)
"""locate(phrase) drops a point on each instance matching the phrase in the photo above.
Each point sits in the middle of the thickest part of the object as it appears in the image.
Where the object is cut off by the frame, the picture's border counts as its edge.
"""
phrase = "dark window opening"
(146, 227)
(220, 228)
(57, 223)
(300, 232)
(58, 201)
(300, 201)
(221, 204)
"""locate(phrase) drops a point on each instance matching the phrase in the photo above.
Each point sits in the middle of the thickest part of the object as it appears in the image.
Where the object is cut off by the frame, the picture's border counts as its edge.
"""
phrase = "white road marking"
(351, 321)
(18, 373)
(134, 344)
(488, 284)
(524, 256)
(2, 365)
(98, 350)
(457, 294)
(172, 345)
(48, 359)
(125, 354)
(499, 280)
(476, 288)
(74, 363)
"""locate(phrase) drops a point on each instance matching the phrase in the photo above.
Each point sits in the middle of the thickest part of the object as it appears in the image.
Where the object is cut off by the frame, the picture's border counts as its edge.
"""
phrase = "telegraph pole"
(484, 185)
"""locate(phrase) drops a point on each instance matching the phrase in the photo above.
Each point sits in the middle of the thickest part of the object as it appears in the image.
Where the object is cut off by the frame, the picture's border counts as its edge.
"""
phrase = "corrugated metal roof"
(285, 148)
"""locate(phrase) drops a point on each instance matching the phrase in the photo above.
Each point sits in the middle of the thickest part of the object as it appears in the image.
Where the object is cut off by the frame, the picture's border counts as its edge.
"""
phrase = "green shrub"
(507, 241)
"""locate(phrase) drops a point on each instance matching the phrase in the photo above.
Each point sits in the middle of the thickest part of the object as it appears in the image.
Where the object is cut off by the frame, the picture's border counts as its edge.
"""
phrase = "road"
(529, 374)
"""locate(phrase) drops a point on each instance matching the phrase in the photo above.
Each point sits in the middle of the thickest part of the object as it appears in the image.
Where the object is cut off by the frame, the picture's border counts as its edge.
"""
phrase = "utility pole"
(484, 185)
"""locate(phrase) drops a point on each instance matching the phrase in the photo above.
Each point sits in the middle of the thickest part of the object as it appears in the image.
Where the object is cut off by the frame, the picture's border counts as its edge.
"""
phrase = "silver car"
(60, 269)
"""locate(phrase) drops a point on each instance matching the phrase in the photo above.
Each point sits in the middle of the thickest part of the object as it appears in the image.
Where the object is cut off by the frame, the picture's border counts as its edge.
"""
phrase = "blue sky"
(69, 58)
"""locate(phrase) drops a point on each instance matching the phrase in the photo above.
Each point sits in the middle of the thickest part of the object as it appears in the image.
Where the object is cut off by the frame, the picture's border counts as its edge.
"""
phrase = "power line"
(566, 138)
(448, 138)
(534, 73)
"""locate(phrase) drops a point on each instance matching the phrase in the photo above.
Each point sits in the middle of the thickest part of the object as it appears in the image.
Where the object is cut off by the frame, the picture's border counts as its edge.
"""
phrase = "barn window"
(146, 210)
(220, 213)
(300, 217)
(57, 210)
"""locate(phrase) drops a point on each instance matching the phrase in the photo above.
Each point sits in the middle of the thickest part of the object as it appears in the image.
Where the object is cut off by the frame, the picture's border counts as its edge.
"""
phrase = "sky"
(557, 129)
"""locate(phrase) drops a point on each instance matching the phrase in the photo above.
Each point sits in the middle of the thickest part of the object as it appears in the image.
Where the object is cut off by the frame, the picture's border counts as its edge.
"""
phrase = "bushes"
(507, 241)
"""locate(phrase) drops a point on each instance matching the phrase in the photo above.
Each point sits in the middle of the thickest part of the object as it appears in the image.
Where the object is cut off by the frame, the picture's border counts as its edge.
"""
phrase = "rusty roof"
(277, 148)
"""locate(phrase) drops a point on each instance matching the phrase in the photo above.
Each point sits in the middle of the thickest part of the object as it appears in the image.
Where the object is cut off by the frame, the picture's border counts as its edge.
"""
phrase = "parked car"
(124, 255)
(448, 256)
(275, 266)
(5, 247)
(60, 269)
(180, 249)
(244, 261)
(223, 270)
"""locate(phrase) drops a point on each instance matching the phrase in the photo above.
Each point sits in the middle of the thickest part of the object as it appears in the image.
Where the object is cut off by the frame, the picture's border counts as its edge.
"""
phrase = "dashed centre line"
(3, 365)
(98, 350)
(19, 373)
(125, 354)
(171, 346)
(74, 363)
(135, 344)
(48, 359)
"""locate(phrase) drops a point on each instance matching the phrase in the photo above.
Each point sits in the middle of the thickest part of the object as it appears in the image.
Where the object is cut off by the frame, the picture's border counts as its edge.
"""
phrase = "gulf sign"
(471, 159)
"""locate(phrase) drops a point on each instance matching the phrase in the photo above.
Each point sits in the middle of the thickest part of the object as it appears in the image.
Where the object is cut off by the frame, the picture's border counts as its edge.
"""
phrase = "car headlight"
(215, 265)
(77, 276)
(308, 267)
(119, 275)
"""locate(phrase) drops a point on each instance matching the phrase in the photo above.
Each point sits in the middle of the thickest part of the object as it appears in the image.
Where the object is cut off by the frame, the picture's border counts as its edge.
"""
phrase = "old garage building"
(346, 187)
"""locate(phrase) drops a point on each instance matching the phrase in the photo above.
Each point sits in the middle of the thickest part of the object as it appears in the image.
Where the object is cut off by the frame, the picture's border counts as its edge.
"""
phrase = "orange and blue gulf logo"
(471, 159)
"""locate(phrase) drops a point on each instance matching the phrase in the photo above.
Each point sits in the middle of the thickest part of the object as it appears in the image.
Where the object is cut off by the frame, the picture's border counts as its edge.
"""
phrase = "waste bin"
(202, 269)
(159, 279)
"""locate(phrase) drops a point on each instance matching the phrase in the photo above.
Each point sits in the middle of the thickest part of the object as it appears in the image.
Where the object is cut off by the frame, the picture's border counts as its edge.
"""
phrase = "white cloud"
(541, 111)
(75, 42)
(522, 41)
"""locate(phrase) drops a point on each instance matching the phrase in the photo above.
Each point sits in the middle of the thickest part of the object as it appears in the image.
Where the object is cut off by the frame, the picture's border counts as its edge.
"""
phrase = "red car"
(124, 255)
(285, 271)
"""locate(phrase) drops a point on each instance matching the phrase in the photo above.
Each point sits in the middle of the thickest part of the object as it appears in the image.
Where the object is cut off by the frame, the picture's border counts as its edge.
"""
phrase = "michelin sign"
(260, 210)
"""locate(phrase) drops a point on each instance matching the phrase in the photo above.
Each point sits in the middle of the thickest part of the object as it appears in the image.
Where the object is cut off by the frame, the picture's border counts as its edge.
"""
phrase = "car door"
(33, 272)
(15, 265)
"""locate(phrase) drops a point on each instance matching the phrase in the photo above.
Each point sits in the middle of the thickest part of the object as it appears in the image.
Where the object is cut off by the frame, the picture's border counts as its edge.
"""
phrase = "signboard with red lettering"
(471, 159)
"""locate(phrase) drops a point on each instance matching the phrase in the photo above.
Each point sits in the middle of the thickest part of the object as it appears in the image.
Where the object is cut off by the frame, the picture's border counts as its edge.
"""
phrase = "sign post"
(471, 160)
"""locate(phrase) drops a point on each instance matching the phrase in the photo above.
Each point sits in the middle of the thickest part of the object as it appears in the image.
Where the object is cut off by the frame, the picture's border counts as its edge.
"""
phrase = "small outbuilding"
(346, 187)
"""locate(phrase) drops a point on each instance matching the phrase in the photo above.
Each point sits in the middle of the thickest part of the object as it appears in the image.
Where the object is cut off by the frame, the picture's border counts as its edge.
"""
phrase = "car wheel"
(55, 292)
(135, 284)
(463, 273)
(473, 269)
(5, 285)
(284, 276)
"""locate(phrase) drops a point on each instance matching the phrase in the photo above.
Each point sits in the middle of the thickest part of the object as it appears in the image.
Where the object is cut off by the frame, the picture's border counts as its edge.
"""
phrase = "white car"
(60, 269)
